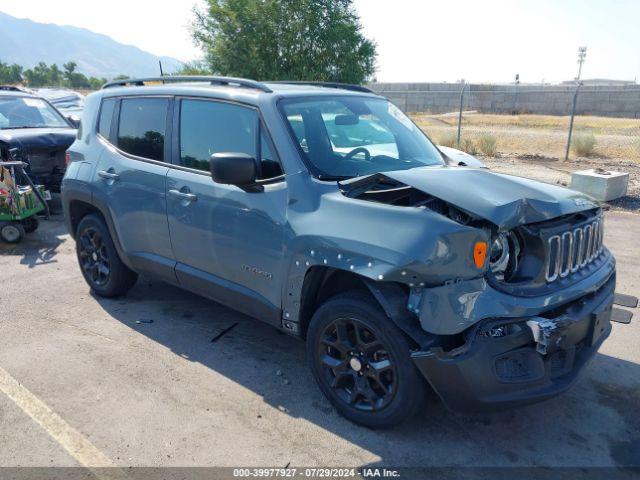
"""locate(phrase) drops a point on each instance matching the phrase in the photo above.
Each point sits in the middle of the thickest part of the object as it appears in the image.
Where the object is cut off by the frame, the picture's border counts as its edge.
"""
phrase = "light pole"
(515, 96)
(582, 55)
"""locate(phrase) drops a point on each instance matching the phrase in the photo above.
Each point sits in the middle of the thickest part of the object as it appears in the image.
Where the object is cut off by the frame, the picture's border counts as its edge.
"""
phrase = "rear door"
(228, 242)
(131, 177)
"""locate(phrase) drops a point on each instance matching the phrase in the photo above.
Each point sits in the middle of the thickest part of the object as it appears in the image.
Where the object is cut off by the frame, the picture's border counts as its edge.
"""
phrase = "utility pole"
(573, 114)
(582, 55)
(515, 96)
(464, 85)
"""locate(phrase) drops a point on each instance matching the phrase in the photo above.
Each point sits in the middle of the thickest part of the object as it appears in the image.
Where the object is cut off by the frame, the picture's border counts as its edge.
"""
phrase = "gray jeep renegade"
(323, 210)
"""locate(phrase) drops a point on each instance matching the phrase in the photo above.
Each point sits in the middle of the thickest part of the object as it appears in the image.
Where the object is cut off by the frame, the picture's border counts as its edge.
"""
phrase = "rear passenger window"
(142, 125)
(106, 114)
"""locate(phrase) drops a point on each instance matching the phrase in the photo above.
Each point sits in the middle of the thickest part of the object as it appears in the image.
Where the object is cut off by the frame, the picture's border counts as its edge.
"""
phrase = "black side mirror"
(233, 169)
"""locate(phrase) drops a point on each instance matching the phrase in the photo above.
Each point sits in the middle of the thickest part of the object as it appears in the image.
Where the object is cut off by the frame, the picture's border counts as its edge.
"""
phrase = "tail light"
(67, 158)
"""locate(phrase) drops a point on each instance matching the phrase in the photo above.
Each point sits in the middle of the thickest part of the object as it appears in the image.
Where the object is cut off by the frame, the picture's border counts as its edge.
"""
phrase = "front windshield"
(344, 137)
(26, 112)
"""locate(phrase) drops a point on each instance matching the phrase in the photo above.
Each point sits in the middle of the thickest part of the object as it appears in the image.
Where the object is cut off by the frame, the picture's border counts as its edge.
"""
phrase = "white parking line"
(68, 437)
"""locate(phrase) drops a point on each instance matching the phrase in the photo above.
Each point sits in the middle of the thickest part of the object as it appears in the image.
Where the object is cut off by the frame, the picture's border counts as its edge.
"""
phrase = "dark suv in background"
(324, 211)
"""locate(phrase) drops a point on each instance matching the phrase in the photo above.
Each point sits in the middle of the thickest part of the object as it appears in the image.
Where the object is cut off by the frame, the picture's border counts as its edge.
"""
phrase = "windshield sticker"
(396, 113)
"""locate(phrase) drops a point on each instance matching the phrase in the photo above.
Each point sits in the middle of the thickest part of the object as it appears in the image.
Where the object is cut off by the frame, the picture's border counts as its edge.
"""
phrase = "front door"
(228, 242)
(131, 178)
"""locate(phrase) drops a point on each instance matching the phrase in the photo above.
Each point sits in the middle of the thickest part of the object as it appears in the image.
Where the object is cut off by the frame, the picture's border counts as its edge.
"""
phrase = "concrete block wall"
(608, 101)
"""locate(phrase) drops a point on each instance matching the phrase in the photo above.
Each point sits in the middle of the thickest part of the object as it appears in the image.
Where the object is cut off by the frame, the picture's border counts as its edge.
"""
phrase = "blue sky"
(418, 40)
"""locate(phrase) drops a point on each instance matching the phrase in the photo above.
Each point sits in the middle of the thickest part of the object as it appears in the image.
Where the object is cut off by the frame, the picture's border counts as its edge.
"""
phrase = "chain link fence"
(544, 122)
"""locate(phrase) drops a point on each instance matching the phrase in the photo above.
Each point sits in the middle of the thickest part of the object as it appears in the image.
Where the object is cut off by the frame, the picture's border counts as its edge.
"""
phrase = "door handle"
(108, 175)
(184, 196)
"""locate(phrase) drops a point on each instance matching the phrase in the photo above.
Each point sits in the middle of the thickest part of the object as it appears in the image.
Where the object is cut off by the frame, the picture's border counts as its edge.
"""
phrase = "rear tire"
(99, 261)
(11, 232)
(362, 362)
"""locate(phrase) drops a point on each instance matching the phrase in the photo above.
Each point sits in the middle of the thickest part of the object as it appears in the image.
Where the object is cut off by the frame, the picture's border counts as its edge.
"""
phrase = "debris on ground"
(224, 332)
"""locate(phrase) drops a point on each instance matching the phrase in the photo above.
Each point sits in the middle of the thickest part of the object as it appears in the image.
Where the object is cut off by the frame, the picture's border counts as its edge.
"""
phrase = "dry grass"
(468, 145)
(597, 124)
(448, 139)
(488, 145)
(540, 135)
(583, 144)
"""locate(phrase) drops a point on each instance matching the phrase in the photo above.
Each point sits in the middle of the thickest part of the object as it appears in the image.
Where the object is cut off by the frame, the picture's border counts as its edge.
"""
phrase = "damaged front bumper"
(515, 361)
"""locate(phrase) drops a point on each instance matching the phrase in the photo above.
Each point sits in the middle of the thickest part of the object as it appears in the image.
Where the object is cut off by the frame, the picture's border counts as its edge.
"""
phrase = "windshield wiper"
(358, 185)
(333, 178)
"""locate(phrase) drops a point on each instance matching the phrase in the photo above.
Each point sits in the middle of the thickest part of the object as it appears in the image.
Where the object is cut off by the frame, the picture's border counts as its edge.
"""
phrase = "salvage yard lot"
(534, 146)
(141, 379)
(533, 135)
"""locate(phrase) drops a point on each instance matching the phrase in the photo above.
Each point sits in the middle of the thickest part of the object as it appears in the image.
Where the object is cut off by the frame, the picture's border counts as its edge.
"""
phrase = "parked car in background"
(68, 102)
(324, 211)
(39, 132)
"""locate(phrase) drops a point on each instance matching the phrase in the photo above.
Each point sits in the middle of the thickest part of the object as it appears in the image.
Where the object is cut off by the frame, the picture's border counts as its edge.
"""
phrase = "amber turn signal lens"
(480, 253)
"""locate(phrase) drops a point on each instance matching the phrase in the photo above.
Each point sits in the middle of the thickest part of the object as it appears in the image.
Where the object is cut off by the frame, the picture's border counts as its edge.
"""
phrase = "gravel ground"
(141, 380)
(552, 170)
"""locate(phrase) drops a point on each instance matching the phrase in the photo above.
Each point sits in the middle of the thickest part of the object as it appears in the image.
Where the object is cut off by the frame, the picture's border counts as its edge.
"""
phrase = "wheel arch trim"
(97, 205)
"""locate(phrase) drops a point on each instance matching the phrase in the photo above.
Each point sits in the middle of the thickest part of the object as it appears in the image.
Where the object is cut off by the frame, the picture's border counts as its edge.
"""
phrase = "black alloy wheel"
(94, 258)
(357, 365)
(362, 361)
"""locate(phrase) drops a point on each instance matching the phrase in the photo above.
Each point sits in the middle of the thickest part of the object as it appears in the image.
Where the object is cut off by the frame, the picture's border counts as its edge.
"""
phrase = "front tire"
(362, 363)
(99, 261)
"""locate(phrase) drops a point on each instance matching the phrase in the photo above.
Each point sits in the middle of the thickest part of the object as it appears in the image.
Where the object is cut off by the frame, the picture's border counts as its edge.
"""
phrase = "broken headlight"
(504, 254)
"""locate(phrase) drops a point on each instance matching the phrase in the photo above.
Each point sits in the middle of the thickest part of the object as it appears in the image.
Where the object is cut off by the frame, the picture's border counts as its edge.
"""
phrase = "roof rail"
(212, 80)
(343, 86)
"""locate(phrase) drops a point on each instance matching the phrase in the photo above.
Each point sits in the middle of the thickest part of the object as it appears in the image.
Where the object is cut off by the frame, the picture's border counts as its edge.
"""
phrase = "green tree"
(96, 83)
(10, 74)
(69, 71)
(73, 78)
(55, 76)
(318, 40)
(38, 76)
(193, 68)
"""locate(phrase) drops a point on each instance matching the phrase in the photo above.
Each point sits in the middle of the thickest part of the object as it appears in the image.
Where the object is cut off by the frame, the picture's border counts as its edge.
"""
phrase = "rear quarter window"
(106, 115)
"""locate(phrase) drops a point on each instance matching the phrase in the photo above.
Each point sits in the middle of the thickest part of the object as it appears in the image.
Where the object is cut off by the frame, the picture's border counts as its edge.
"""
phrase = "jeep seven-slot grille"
(573, 250)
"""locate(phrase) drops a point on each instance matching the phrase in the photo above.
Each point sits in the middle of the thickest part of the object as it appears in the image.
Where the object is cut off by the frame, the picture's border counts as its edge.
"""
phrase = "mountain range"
(26, 43)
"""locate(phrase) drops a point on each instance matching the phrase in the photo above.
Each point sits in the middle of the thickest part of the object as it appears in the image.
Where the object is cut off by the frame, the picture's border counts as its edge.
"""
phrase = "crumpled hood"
(505, 200)
(40, 138)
